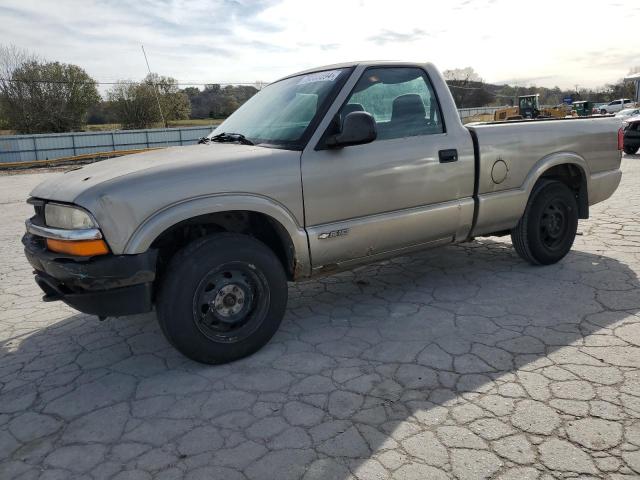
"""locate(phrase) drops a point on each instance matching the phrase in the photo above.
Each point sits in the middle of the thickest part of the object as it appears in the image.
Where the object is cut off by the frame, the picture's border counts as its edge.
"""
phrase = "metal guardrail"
(470, 112)
(50, 146)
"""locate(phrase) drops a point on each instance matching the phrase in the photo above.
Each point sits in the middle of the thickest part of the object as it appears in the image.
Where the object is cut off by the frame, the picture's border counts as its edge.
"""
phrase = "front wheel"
(603, 112)
(546, 231)
(223, 297)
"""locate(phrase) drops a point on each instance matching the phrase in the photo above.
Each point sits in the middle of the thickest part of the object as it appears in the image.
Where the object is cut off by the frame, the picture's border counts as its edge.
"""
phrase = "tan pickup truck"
(320, 171)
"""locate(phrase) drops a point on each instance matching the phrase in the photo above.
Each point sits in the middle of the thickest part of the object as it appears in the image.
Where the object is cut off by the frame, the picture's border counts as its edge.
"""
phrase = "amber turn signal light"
(81, 248)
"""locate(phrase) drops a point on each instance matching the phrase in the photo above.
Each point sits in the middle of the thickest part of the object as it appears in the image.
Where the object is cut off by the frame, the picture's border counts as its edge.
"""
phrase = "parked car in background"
(631, 140)
(616, 105)
(628, 112)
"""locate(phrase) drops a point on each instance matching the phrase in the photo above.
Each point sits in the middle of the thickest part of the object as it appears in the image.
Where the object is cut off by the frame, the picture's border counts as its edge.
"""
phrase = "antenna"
(155, 89)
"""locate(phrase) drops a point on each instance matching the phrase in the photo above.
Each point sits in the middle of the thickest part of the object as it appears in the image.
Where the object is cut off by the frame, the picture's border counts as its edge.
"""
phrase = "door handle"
(447, 156)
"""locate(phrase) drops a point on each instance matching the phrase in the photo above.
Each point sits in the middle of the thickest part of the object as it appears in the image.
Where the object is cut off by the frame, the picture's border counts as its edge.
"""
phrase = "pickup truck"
(616, 106)
(320, 171)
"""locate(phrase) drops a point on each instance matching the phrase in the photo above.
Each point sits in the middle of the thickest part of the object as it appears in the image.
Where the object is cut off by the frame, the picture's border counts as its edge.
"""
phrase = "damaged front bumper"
(110, 285)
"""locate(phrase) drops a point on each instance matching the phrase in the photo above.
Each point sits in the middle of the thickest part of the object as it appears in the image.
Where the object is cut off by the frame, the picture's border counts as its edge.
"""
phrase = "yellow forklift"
(529, 107)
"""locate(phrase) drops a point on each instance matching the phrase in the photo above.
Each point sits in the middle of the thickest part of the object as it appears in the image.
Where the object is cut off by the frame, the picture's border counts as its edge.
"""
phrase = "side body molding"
(170, 215)
(501, 210)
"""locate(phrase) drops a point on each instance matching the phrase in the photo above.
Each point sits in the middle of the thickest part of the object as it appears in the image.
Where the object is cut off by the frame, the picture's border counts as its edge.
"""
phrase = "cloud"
(524, 81)
(607, 58)
(389, 36)
(208, 41)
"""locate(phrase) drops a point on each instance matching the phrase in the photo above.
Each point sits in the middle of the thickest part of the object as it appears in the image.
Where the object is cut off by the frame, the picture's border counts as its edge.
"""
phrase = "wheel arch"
(572, 172)
(258, 216)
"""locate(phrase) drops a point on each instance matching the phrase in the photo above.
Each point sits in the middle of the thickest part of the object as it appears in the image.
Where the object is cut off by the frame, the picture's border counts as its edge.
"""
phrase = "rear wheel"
(603, 112)
(631, 150)
(223, 298)
(546, 231)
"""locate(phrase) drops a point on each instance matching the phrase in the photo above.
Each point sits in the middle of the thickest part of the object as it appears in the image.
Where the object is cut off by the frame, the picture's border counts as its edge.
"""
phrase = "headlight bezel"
(68, 217)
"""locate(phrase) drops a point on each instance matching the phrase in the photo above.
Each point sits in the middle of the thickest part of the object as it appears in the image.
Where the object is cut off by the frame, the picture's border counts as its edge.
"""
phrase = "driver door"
(403, 190)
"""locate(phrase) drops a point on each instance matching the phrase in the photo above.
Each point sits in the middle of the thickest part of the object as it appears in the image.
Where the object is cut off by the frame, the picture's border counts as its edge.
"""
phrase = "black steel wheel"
(222, 298)
(554, 223)
(546, 231)
(230, 302)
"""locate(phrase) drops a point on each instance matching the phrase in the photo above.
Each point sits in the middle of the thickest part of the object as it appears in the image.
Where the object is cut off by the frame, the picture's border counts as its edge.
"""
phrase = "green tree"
(42, 97)
(175, 104)
(467, 87)
(135, 105)
(215, 101)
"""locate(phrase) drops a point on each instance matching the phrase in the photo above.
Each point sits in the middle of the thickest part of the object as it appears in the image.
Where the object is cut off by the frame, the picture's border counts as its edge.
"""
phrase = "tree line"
(470, 90)
(38, 96)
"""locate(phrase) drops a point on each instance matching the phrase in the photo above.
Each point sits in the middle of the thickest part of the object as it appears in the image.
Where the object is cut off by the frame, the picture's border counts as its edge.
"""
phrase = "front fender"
(170, 215)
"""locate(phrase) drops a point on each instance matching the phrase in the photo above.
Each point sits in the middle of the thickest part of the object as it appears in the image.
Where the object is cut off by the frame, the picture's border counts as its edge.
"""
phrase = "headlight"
(69, 218)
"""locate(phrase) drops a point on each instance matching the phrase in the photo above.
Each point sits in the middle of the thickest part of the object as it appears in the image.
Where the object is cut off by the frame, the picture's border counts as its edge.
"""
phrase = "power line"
(126, 82)
(186, 84)
(482, 89)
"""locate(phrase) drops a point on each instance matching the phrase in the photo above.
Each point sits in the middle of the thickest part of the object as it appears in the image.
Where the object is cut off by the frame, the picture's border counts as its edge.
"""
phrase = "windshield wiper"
(225, 137)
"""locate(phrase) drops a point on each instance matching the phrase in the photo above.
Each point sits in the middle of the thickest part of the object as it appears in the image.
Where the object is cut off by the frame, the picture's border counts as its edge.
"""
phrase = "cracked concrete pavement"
(462, 362)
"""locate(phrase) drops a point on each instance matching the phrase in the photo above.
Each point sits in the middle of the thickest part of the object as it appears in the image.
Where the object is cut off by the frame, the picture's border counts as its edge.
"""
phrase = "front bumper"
(109, 285)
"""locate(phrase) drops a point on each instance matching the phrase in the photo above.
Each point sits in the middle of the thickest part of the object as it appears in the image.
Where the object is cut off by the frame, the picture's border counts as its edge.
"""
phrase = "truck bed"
(528, 147)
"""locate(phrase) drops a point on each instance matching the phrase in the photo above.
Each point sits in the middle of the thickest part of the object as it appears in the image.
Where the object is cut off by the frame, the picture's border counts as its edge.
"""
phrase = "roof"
(633, 76)
(335, 66)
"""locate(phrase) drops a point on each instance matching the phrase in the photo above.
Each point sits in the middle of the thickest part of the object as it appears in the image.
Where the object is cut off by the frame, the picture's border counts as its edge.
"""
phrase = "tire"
(603, 112)
(222, 298)
(546, 231)
(631, 150)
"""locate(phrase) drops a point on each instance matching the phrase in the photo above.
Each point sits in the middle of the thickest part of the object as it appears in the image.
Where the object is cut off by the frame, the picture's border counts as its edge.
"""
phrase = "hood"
(73, 183)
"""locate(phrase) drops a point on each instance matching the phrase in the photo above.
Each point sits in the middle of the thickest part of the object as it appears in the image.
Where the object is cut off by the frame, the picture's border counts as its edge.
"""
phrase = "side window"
(401, 100)
(627, 101)
(615, 102)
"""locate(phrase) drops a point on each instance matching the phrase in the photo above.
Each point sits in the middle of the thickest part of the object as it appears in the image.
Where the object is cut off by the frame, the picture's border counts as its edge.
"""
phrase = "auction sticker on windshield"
(328, 76)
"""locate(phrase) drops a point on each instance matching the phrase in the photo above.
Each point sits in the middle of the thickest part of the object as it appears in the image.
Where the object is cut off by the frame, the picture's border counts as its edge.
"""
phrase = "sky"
(543, 42)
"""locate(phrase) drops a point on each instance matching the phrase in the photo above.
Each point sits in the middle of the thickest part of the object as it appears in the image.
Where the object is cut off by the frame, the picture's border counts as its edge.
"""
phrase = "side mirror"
(358, 128)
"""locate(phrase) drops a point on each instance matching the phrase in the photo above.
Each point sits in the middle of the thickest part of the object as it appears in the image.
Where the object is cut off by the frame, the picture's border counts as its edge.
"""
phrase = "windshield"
(281, 113)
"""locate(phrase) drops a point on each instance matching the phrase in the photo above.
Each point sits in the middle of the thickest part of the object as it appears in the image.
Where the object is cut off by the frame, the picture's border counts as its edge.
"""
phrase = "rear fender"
(502, 210)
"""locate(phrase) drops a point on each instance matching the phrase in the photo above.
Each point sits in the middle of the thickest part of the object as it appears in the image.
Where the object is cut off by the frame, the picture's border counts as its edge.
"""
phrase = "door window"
(400, 99)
